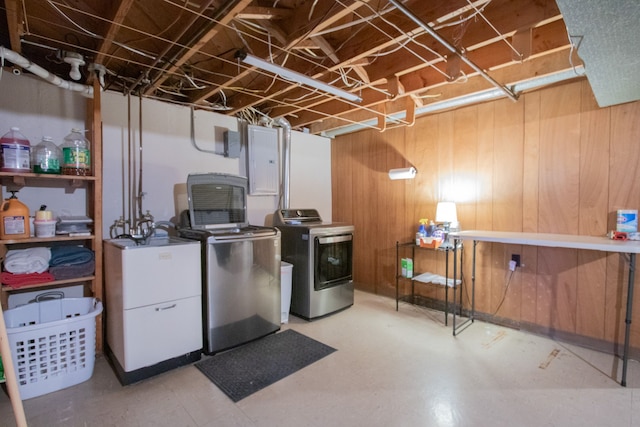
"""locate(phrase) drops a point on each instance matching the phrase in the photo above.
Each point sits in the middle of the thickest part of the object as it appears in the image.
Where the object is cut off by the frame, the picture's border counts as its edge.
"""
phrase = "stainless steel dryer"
(322, 258)
(240, 263)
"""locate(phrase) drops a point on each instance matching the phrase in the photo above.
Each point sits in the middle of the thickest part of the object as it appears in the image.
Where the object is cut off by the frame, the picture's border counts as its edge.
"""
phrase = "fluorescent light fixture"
(403, 173)
(295, 76)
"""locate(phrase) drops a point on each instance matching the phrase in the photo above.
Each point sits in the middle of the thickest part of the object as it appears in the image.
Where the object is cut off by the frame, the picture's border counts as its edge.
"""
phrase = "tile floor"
(391, 369)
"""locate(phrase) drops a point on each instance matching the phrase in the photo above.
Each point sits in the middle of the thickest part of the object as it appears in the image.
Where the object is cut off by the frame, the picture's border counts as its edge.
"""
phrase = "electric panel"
(262, 144)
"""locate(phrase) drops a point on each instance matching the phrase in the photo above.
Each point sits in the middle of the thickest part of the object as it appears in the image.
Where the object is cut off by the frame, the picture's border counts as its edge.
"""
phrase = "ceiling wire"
(574, 48)
(502, 36)
(25, 17)
(149, 35)
(466, 18)
(214, 57)
(92, 34)
(282, 103)
(154, 37)
(409, 36)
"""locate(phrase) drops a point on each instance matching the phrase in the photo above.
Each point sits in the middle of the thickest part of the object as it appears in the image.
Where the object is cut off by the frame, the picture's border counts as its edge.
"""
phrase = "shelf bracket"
(18, 182)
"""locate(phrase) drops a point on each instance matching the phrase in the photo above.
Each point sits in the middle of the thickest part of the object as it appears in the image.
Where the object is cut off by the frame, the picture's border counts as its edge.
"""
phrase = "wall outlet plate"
(516, 258)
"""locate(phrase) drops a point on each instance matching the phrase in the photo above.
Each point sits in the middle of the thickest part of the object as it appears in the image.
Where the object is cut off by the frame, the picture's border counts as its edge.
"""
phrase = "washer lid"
(217, 200)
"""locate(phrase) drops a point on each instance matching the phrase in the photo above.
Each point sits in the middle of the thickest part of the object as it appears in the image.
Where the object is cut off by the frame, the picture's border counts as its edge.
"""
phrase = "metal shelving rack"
(457, 274)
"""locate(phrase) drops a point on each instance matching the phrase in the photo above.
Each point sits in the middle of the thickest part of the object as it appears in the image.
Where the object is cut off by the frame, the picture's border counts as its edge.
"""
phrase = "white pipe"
(286, 159)
(23, 62)
(464, 100)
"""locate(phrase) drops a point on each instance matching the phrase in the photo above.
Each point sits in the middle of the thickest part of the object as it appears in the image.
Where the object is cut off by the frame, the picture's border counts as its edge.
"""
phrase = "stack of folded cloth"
(70, 262)
(26, 267)
(40, 265)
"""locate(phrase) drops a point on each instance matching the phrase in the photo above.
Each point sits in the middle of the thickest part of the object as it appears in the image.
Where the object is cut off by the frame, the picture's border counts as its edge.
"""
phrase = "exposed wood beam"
(120, 11)
(382, 117)
(328, 50)
(549, 39)
(522, 42)
(323, 24)
(410, 108)
(275, 31)
(551, 35)
(394, 87)
(226, 14)
(265, 13)
(531, 14)
(536, 66)
(362, 73)
(14, 24)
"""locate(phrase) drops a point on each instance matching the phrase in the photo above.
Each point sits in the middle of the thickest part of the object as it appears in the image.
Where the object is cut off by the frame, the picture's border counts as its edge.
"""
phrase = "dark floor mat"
(244, 370)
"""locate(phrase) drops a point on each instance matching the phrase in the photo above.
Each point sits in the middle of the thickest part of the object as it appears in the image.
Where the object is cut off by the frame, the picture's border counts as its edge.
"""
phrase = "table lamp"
(446, 214)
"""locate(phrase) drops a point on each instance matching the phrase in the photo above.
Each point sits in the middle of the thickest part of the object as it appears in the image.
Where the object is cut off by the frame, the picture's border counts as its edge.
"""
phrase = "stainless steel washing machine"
(240, 263)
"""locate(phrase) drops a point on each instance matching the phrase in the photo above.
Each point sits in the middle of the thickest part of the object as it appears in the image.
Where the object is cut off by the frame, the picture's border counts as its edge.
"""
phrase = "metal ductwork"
(286, 160)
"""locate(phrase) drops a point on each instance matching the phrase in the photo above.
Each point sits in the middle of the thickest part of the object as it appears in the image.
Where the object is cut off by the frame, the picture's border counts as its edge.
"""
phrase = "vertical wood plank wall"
(553, 162)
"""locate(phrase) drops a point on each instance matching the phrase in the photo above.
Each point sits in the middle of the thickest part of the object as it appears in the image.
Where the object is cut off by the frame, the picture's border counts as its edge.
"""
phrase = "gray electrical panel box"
(262, 160)
(232, 144)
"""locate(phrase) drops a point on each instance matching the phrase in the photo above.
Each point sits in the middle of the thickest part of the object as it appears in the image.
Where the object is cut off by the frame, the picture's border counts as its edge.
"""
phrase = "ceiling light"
(75, 60)
(295, 76)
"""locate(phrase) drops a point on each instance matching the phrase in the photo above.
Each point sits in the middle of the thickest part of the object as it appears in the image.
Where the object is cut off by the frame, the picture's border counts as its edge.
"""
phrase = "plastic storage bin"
(286, 271)
(52, 343)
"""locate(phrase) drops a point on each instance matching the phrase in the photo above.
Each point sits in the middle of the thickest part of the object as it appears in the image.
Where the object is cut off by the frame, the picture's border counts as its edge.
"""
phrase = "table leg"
(446, 288)
(627, 331)
(473, 283)
(455, 276)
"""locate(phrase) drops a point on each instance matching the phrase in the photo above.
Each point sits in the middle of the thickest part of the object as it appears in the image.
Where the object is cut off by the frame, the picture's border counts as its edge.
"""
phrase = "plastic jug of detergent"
(14, 219)
(16, 152)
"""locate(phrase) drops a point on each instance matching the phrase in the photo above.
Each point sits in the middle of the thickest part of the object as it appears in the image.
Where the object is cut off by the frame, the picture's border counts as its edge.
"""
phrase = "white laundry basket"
(52, 343)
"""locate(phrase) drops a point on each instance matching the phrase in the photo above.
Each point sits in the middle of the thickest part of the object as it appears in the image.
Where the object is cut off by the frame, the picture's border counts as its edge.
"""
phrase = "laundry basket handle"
(51, 295)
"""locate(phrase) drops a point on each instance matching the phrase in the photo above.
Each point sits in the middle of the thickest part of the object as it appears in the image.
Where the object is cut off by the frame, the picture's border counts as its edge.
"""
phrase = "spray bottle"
(422, 231)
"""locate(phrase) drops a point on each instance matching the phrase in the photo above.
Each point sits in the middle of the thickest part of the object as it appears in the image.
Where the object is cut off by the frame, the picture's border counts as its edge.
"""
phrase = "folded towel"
(24, 261)
(70, 255)
(64, 272)
(18, 280)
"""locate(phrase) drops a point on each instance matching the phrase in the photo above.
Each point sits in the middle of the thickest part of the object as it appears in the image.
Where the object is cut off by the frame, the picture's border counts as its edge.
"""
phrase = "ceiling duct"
(462, 101)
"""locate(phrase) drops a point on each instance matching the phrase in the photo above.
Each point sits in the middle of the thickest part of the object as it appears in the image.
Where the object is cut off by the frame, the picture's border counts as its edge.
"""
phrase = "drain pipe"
(23, 62)
(286, 160)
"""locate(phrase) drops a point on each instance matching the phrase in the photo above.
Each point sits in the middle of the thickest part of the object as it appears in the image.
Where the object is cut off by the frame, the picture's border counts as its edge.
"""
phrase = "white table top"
(596, 243)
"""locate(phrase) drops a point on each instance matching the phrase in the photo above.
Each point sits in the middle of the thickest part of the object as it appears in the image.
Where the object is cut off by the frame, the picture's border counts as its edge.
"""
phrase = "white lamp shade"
(403, 173)
(446, 212)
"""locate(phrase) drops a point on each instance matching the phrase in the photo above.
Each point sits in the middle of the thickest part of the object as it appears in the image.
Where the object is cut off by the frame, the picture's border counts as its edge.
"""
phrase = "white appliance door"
(161, 331)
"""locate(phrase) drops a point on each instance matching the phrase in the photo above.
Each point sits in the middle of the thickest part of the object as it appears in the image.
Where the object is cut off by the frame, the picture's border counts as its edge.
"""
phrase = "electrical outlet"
(516, 258)
(512, 265)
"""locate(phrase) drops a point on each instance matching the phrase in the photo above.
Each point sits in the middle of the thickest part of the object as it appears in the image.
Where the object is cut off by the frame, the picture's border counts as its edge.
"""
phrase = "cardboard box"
(430, 242)
(627, 220)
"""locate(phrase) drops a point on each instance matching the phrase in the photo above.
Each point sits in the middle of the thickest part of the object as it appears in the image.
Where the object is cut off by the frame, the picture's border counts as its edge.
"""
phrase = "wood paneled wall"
(553, 162)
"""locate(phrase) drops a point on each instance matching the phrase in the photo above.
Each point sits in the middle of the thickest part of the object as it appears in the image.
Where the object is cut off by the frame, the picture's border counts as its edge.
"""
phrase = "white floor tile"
(391, 368)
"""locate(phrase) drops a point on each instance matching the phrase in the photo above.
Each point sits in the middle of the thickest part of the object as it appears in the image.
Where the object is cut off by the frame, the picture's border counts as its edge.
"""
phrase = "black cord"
(504, 296)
